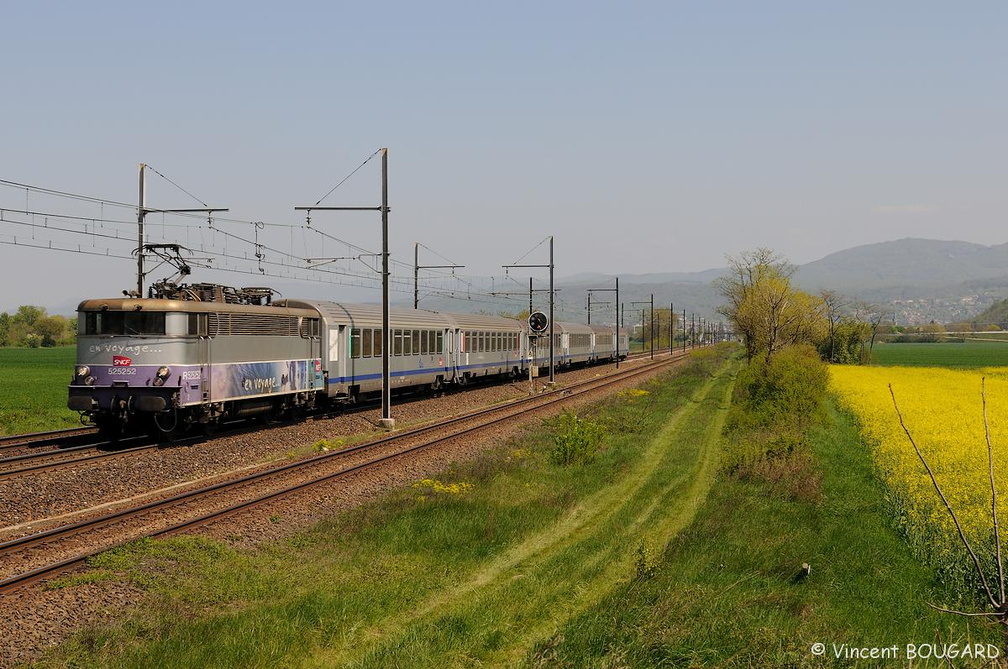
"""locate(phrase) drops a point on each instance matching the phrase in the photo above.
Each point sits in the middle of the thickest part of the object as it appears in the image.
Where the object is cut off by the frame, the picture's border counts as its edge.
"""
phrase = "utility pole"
(616, 324)
(387, 421)
(552, 330)
(416, 272)
(684, 330)
(651, 302)
(142, 212)
(671, 327)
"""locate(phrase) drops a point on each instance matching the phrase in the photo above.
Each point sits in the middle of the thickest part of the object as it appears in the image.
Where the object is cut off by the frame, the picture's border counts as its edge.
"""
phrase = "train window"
(377, 339)
(424, 342)
(131, 323)
(144, 323)
(308, 328)
(198, 325)
(397, 342)
(440, 341)
(416, 342)
(355, 343)
(367, 339)
(407, 342)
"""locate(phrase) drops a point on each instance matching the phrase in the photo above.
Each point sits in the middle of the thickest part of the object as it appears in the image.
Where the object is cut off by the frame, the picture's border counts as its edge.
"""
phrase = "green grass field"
(33, 390)
(973, 353)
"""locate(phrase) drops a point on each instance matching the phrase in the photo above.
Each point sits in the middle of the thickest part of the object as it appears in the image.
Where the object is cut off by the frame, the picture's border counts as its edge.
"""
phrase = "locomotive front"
(163, 365)
(136, 359)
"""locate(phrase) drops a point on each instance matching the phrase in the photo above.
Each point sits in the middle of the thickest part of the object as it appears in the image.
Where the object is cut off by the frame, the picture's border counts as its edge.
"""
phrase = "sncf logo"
(121, 361)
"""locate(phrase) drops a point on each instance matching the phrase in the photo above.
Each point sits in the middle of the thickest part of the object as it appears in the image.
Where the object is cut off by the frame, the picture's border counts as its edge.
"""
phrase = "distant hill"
(910, 263)
(919, 280)
(996, 314)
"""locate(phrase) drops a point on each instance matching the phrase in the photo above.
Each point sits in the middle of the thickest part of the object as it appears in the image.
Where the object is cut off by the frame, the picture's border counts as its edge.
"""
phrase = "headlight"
(82, 371)
(89, 381)
(162, 375)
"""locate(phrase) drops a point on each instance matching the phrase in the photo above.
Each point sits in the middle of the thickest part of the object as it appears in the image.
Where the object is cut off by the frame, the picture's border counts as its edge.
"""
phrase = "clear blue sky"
(647, 137)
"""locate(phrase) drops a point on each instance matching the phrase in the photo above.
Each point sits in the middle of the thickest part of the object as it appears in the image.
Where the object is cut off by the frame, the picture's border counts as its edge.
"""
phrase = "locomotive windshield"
(124, 323)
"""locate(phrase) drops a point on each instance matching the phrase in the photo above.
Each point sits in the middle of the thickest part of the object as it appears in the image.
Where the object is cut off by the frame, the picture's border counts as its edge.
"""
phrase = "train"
(204, 354)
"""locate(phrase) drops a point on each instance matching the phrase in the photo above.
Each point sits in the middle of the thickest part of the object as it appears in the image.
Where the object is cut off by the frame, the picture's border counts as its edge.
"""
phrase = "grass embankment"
(477, 566)
(968, 354)
(33, 392)
(798, 487)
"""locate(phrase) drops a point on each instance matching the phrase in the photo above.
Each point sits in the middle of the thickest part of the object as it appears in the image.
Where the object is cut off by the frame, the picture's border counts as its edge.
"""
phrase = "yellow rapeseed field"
(943, 411)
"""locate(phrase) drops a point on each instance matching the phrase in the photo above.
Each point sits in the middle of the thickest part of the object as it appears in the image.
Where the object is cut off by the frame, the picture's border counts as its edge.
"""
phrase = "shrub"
(574, 441)
(790, 389)
(774, 406)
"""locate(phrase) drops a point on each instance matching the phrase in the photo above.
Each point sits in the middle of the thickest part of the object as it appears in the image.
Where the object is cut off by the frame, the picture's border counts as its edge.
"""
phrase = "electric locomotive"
(161, 365)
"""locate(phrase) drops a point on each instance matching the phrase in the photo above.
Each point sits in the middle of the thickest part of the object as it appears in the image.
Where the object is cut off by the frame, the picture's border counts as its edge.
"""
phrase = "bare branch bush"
(997, 601)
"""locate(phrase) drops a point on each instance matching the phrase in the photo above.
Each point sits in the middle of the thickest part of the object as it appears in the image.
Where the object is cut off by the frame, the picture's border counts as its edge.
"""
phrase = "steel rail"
(29, 440)
(51, 460)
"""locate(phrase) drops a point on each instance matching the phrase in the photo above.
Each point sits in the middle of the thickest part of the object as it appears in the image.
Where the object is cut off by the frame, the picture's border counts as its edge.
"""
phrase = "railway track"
(18, 443)
(51, 552)
(27, 464)
(20, 455)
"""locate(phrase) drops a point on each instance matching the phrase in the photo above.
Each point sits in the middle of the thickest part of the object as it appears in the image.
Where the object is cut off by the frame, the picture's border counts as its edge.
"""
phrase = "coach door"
(335, 361)
(453, 342)
(199, 326)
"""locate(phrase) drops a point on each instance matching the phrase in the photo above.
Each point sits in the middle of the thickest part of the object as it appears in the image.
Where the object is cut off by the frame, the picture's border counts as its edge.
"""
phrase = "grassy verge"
(476, 566)
(33, 393)
(731, 591)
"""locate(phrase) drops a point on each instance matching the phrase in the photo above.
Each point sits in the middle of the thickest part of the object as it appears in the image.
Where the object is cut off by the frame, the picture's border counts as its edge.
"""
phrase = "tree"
(29, 315)
(53, 330)
(764, 308)
(31, 326)
(834, 305)
(661, 326)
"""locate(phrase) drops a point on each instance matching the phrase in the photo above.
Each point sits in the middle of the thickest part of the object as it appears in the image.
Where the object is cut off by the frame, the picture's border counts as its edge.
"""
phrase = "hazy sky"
(646, 137)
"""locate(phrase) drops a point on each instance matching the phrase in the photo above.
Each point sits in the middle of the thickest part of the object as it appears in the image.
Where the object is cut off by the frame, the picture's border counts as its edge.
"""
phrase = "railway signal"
(538, 322)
